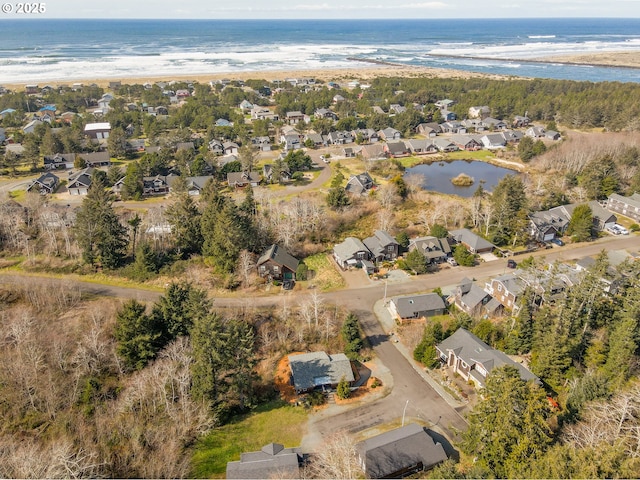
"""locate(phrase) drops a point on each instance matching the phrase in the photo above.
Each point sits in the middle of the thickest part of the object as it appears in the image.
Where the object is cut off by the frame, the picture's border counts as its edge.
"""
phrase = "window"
(499, 287)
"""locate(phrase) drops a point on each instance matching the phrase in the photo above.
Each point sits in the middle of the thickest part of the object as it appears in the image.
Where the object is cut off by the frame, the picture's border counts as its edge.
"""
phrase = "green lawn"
(326, 276)
(273, 422)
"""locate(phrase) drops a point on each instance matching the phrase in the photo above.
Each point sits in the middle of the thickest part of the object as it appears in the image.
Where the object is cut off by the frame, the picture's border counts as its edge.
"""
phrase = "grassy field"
(273, 422)
(326, 276)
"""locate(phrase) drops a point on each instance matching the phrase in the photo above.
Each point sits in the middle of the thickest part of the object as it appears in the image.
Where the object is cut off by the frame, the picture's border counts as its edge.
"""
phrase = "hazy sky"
(334, 9)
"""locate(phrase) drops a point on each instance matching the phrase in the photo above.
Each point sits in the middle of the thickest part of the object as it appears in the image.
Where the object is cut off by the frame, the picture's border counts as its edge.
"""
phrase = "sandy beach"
(360, 71)
(606, 59)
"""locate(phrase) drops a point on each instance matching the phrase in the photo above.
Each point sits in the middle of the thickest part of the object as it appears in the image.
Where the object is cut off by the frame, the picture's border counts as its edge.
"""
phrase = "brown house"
(277, 264)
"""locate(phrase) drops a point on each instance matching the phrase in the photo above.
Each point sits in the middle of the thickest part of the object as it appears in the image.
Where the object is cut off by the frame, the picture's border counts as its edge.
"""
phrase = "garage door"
(548, 237)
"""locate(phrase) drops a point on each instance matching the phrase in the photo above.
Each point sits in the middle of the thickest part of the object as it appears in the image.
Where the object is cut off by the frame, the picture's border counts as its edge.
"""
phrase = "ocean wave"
(541, 36)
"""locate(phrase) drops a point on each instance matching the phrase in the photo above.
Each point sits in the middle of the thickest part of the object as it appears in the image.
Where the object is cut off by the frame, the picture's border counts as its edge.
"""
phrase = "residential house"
(367, 135)
(474, 301)
(135, 145)
(31, 89)
(245, 105)
(445, 104)
(382, 246)
(339, 138)
(389, 134)
(473, 242)
(318, 370)
(377, 109)
(445, 145)
(325, 113)
(157, 185)
(466, 142)
(534, 132)
(230, 148)
(494, 124)
(337, 98)
(416, 307)
(421, 146)
(277, 264)
(479, 112)
(317, 139)
(45, 184)
(395, 108)
(223, 122)
(216, 147)
(80, 182)
(242, 179)
(512, 136)
(428, 129)
(59, 161)
(506, 289)
(295, 117)
(452, 127)
(272, 461)
(493, 141)
(261, 143)
(348, 152)
(267, 174)
(96, 159)
(552, 135)
(350, 253)
(547, 225)
(15, 148)
(396, 149)
(473, 359)
(359, 184)
(31, 126)
(373, 152)
(291, 142)
(473, 124)
(263, 113)
(520, 121)
(399, 452)
(97, 131)
(194, 185)
(627, 206)
(435, 250)
(602, 218)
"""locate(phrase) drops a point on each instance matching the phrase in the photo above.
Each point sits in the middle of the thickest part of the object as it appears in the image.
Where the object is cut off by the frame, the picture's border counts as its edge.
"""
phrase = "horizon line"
(360, 19)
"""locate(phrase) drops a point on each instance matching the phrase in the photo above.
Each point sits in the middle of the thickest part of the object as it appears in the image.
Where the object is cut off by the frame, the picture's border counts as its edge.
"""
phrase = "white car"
(621, 229)
(614, 230)
(452, 261)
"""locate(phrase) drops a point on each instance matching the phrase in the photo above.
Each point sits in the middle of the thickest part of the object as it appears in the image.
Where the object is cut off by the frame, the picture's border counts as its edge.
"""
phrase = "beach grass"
(326, 277)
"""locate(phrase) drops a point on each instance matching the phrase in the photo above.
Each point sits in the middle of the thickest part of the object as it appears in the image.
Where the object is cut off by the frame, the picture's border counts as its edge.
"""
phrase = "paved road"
(424, 402)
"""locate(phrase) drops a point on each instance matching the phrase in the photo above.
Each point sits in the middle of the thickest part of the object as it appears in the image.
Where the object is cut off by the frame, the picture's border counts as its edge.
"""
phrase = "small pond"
(437, 176)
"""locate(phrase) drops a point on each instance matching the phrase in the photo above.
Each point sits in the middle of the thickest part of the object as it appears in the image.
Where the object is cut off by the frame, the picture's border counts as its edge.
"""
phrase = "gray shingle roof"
(377, 243)
(280, 256)
(315, 369)
(388, 453)
(349, 247)
(472, 350)
(408, 306)
(469, 238)
(272, 461)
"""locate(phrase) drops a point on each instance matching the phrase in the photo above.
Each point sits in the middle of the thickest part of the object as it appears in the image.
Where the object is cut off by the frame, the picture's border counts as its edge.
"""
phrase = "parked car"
(613, 230)
(288, 284)
(452, 261)
(324, 158)
(511, 263)
(557, 241)
(621, 229)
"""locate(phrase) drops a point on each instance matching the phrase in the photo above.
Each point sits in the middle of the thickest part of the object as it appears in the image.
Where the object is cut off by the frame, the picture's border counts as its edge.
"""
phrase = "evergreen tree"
(581, 223)
(508, 427)
(223, 363)
(509, 203)
(337, 198)
(178, 308)
(132, 186)
(425, 351)
(463, 256)
(416, 261)
(184, 218)
(144, 265)
(101, 237)
(342, 390)
(438, 231)
(350, 332)
(117, 142)
(138, 335)
(225, 236)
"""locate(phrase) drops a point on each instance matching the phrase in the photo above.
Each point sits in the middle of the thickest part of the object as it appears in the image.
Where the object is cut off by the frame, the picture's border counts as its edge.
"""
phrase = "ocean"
(62, 50)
